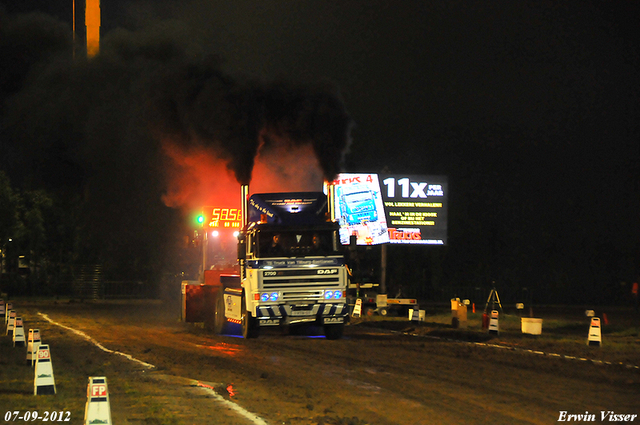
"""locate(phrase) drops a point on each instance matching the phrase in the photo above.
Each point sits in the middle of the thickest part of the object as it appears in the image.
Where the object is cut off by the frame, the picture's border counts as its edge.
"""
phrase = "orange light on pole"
(92, 23)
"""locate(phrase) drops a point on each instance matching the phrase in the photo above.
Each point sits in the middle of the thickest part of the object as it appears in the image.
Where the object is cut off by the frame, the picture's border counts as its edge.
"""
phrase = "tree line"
(39, 239)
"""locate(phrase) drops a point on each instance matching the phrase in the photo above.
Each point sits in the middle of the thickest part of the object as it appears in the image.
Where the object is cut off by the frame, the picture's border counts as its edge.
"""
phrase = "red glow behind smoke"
(197, 176)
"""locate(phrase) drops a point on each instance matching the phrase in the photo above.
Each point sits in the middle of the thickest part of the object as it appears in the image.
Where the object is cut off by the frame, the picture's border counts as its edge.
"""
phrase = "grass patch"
(73, 361)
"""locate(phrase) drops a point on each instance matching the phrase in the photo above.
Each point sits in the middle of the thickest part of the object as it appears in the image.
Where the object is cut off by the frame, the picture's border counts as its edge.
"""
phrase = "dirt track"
(369, 377)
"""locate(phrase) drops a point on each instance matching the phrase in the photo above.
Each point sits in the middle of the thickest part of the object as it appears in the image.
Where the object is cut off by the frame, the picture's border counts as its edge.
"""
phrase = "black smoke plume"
(96, 127)
(199, 104)
(146, 85)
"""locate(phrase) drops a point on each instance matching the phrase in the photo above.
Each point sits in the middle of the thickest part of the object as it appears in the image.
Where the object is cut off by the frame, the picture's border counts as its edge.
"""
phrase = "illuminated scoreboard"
(222, 217)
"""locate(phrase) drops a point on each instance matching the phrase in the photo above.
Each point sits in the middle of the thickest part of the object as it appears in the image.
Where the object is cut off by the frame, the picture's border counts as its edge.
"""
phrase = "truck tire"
(219, 319)
(334, 331)
(383, 311)
(249, 325)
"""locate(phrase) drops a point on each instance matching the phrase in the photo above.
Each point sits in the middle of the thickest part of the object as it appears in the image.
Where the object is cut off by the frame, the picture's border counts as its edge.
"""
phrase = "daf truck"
(291, 267)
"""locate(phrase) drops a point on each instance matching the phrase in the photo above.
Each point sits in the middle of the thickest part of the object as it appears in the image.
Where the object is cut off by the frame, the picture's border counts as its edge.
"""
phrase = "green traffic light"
(200, 219)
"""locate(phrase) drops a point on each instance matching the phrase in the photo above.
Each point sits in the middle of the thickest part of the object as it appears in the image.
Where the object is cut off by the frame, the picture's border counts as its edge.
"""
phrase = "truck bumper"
(285, 314)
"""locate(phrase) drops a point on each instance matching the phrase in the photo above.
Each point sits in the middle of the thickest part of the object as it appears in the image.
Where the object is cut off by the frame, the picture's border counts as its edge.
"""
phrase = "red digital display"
(222, 217)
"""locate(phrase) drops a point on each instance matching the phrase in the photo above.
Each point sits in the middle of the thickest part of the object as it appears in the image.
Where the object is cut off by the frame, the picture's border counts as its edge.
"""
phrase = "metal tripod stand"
(493, 299)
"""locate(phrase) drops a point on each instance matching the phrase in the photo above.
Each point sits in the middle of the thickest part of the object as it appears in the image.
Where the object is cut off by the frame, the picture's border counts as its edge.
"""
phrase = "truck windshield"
(296, 243)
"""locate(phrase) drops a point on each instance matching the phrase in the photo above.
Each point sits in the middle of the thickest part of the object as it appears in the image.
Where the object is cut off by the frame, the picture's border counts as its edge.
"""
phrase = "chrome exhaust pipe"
(244, 199)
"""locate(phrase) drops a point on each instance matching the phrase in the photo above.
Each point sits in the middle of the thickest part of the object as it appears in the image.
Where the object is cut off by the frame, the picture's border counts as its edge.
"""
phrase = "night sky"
(531, 108)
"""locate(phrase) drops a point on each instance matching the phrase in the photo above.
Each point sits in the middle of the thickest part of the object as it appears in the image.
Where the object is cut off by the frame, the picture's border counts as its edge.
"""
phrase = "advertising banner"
(391, 208)
(359, 209)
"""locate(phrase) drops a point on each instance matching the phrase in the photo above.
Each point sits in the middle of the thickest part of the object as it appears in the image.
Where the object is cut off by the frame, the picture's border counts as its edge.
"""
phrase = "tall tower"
(92, 22)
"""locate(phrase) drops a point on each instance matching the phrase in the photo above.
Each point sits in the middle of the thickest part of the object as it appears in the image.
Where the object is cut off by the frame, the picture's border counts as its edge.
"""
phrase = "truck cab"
(292, 267)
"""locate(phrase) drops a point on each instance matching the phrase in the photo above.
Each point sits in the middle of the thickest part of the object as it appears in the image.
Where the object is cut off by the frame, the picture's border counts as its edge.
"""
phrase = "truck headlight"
(337, 295)
(265, 296)
(328, 295)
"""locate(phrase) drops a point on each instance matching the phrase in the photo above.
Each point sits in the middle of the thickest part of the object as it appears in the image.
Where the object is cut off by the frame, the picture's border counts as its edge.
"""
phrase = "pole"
(74, 30)
(383, 269)
(205, 245)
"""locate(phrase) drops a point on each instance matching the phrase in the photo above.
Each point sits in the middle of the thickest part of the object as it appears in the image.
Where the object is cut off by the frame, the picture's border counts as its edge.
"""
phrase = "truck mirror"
(242, 247)
(242, 252)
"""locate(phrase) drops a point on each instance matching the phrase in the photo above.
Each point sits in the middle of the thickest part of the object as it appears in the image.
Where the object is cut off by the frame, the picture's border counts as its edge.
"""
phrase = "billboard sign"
(359, 209)
(391, 208)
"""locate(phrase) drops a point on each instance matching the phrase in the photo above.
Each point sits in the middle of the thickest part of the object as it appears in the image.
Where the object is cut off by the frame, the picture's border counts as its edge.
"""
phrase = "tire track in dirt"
(209, 389)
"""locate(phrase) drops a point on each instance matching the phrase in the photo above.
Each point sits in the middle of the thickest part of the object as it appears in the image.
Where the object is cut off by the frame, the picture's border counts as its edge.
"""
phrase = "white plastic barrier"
(44, 382)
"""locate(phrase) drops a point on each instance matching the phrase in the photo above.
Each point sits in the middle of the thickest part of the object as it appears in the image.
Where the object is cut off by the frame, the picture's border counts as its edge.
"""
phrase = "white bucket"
(416, 315)
(531, 326)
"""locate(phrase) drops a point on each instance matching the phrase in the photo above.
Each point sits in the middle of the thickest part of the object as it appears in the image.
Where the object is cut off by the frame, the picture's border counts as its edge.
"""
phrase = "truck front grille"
(300, 295)
(302, 281)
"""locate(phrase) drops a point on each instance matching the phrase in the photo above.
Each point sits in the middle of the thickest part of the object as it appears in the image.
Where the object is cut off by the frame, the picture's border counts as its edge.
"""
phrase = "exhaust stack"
(244, 198)
(329, 190)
